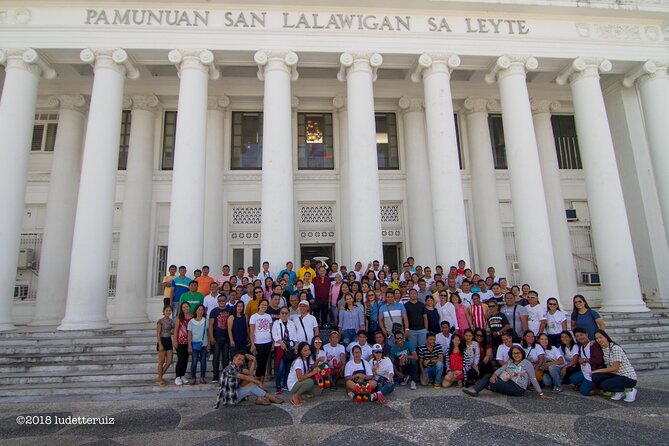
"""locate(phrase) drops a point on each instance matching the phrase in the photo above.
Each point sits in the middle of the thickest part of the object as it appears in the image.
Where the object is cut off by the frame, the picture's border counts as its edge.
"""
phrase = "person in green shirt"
(192, 296)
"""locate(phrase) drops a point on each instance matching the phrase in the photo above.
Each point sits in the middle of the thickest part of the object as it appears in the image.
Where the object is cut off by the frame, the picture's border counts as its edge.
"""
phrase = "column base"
(7, 326)
(128, 320)
(44, 322)
(624, 308)
(84, 325)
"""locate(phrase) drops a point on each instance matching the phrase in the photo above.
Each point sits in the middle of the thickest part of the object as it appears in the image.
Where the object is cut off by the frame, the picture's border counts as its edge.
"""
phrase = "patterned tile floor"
(423, 417)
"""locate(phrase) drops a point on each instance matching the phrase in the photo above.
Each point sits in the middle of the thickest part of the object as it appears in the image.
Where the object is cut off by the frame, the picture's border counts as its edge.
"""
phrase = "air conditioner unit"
(515, 266)
(26, 258)
(590, 278)
(571, 214)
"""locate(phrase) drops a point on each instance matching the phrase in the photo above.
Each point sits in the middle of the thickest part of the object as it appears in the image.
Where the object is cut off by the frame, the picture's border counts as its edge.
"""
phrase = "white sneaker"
(351, 395)
(618, 396)
(413, 385)
(177, 381)
(630, 395)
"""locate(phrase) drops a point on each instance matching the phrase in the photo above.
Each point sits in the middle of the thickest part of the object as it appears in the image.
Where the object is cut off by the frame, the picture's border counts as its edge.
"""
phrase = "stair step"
(21, 359)
(89, 377)
(618, 323)
(53, 333)
(146, 338)
(81, 367)
(112, 387)
(140, 347)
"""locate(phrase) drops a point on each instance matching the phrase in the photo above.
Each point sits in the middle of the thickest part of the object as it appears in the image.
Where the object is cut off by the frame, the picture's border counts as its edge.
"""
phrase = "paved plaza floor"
(422, 417)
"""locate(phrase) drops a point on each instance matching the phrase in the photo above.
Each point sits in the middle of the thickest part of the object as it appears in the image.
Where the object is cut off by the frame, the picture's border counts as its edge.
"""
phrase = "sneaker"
(470, 392)
(351, 395)
(437, 386)
(373, 396)
(618, 396)
(407, 379)
(381, 398)
(630, 395)
(412, 385)
(279, 392)
(177, 381)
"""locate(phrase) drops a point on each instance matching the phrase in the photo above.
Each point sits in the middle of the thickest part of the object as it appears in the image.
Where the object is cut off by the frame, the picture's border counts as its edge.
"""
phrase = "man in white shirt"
(265, 273)
(335, 354)
(306, 324)
(363, 344)
(444, 338)
(485, 293)
(502, 356)
(211, 300)
(358, 271)
(491, 274)
(466, 294)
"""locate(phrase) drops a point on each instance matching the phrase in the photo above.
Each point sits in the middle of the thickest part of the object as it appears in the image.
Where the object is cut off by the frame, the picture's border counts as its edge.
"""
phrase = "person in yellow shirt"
(304, 269)
(252, 305)
(168, 292)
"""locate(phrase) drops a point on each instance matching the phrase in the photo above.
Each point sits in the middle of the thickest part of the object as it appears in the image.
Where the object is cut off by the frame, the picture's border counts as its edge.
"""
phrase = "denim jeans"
(220, 359)
(578, 379)
(348, 336)
(610, 382)
(504, 387)
(553, 377)
(434, 371)
(333, 309)
(409, 369)
(281, 374)
(201, 357)
(417, 337)
(386, 388)
(245, 391)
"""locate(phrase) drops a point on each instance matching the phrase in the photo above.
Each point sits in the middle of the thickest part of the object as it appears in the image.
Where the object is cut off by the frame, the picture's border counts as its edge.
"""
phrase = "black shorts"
(167, 344)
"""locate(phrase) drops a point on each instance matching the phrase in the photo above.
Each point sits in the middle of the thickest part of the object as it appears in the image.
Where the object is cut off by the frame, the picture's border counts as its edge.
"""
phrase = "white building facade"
(527, 135)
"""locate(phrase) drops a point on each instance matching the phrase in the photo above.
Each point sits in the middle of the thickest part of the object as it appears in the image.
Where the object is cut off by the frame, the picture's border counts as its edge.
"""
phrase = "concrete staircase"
(645, 338)
(39, 362)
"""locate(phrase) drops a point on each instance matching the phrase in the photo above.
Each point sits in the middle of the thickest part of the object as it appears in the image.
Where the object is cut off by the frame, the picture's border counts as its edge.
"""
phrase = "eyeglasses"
(492, 306)
(399, 337)
(258, 292)
(552, 304)
(479, 335)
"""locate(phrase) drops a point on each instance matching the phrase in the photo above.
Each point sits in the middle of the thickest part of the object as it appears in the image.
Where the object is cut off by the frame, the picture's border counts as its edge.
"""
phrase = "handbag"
(197, 346)
(397, 327)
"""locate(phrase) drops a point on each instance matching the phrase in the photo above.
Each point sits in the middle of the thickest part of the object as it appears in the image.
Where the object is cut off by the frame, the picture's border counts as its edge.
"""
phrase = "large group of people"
(310, 329)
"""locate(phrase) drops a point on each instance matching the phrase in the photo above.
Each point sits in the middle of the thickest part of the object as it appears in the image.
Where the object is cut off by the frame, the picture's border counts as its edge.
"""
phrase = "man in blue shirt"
(392, 313)
(292, 276)
(405, 360)
(180, 286)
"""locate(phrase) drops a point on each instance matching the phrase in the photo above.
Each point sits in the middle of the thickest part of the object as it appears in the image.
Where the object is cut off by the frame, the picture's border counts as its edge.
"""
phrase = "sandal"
(292, 401)
(262, 402)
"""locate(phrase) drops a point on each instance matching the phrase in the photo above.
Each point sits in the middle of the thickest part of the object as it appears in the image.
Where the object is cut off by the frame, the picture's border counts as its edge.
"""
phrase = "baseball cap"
(377, 348)
(304, 302)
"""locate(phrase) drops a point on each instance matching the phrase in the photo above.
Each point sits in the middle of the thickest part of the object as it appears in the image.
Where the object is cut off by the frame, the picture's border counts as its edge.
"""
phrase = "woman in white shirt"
(556, 322)
(446, 310)
(317, 348)
(552, 365)
(536, 314)
(302, 372)
(382, 368)
(260, 331)
(569, 349)
(358, 373)
(533, 352)
(284, 335)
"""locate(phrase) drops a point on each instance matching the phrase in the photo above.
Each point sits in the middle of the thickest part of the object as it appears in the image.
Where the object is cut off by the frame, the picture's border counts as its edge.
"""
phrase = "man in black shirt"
(218, 335)
(498, 323)
(415, 310)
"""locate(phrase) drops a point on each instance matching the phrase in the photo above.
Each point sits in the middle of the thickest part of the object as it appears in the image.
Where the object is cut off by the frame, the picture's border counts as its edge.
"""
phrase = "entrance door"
(245, 256)
(313, 251)
(391, 255)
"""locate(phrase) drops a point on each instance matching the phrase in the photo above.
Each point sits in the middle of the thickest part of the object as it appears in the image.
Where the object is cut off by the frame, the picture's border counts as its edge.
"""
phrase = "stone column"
(610, 230)
(533, 236)
(339, 104)
(448, 207)
(60, 210)
(277, 228)
(186, 230)
(133, 258)
(23, 68)
(419, 194)
(359, 72)
(213, 189)
(550, 174)
(92, 240)
(487, 219)
(654, 89)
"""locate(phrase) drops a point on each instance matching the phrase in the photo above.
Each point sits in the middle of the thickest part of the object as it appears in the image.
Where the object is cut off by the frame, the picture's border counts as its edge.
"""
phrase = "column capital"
(480, 104)
(27, 59)
(218, 102)
(430, 63)
(649, 70)
(411, 104)
(144, 102)
(294, 103)
(510, 64)
(116, 59)
(544, 106)
(583, 67)
(284, 60)
(339, 103)
(75, 102)
(197, 59)
(350, 62)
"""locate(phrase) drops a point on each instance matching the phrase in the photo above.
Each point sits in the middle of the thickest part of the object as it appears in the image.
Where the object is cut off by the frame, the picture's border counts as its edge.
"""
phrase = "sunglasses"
(318, 342)
(480, 335)
(552, 305)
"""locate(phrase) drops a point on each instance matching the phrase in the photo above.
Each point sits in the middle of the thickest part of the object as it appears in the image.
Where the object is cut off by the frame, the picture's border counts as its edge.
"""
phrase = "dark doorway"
(312, 251)
(391, 255)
